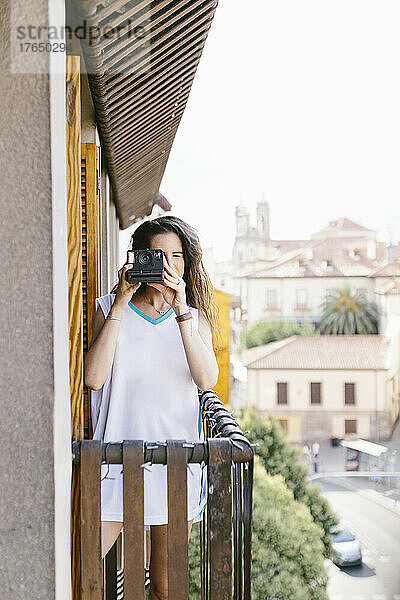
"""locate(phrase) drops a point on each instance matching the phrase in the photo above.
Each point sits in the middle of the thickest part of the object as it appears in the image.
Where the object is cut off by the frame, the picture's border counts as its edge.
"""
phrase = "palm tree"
(345, 313)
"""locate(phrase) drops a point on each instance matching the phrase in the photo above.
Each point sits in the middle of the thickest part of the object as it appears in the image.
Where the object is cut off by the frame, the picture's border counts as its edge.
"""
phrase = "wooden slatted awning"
(141, 57)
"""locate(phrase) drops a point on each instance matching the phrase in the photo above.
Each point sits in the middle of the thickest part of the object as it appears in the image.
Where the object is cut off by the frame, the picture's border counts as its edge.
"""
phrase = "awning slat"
(158, 97)
(157, 56)
(176, 58)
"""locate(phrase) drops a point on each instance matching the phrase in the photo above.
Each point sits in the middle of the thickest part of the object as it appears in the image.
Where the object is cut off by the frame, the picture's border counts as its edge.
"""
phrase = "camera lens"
(144, 258)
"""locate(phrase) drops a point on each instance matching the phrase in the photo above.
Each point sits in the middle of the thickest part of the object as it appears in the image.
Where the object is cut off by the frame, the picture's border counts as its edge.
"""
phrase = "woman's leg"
(158, 561)
(190, 523)
(110, 531)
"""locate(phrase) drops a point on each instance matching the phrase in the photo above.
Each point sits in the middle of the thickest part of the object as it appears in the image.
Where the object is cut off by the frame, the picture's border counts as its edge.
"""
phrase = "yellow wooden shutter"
(91, 252)
(75, 317)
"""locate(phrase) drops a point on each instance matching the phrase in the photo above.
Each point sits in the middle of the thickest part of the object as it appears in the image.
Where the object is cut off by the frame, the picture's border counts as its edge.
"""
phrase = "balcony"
(225, 531)
(300, 307)
(272, 307)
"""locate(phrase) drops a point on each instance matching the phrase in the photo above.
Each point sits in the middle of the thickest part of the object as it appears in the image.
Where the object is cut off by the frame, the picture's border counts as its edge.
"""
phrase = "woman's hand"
(125, 290)
(173, 288)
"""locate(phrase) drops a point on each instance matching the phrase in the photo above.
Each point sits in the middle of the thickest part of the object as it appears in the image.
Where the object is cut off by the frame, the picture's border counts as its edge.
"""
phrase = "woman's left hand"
(173, 288)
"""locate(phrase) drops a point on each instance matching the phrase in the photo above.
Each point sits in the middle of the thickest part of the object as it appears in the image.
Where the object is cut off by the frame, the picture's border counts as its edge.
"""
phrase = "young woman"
(144, 367)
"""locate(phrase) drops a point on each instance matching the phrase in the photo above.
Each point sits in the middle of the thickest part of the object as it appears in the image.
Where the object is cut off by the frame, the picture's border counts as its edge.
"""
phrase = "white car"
(347, 551)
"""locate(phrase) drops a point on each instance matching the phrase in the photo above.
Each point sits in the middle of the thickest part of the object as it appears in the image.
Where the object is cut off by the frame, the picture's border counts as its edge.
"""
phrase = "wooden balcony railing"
(225, 540)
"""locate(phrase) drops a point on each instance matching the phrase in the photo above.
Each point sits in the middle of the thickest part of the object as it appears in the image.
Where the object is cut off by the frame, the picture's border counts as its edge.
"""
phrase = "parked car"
(347, 550)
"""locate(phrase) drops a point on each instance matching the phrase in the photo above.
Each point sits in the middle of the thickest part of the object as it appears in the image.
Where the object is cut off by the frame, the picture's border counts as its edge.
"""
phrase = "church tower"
(242, 221)
(263, 220)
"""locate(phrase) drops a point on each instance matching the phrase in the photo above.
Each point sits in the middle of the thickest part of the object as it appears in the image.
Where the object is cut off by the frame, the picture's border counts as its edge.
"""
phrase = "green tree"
(265, 332)
(287, 550)
(347, 313)
(281, 458)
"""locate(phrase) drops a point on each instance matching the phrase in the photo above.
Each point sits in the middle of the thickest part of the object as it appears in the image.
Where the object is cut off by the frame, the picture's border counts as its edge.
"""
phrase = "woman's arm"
(199, 351)
(198, 345)
(100, 356)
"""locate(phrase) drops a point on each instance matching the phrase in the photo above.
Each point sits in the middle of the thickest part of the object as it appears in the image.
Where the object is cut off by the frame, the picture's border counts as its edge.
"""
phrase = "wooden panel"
(349, 393)
(73, 122)
(315, 392)
(91, 247)
(350, 426)
(281, 388)
(133, 457)
(74, 246)
(178, 563)
(91, 563)
(220, 519)
(223, 302)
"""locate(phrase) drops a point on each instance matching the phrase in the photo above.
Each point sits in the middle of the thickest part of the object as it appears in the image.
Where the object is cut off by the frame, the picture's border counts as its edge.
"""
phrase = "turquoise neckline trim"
(147, 317)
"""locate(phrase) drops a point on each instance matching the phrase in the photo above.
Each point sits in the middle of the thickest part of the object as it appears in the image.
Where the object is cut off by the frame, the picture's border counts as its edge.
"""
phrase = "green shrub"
(265, 332)
(281, 458)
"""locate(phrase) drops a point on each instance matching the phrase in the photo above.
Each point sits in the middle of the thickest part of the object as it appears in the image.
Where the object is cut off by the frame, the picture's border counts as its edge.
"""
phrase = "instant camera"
(148, 265)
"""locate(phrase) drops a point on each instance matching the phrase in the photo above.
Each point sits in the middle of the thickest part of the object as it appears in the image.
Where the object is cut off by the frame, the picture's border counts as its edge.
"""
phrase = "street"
(378, 530)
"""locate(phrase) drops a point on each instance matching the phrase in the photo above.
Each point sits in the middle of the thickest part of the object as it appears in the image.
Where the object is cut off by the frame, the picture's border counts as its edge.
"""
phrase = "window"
(349, 393)
(355, 254)
(281, 392)
(350, 426)
(308, 254)
(301, 299)
(284, 424)
(315, 393)
(327, 265)
(271, 298)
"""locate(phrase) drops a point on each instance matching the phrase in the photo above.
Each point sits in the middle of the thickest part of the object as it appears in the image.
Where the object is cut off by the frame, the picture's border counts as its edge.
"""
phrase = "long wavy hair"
(199, 289)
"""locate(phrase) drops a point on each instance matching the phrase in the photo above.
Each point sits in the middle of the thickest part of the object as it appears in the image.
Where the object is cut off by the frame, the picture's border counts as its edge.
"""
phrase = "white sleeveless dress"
(149, 395)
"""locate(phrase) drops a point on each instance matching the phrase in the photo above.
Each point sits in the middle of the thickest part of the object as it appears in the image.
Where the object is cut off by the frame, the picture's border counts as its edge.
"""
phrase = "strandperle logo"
(90, 33)
(37, 47)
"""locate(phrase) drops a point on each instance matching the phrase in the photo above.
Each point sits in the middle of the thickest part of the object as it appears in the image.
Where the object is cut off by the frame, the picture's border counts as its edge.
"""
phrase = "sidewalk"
(381, 498)
(332, 458)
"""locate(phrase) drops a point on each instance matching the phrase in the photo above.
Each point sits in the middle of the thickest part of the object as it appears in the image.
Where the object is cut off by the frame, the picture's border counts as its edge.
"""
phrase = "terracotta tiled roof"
(387, 270)
(320, 352)
(343, 224)
(391, 288)
(327, 254)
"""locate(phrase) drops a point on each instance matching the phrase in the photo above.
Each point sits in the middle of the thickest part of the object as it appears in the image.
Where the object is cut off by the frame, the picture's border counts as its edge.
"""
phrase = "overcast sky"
(299, 101)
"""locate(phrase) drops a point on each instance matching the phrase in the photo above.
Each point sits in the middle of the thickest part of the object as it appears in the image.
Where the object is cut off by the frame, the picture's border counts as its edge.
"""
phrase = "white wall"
(286, 294)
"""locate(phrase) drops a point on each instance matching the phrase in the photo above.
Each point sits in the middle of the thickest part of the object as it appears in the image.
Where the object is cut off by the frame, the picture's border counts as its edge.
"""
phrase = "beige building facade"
(322, 386)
